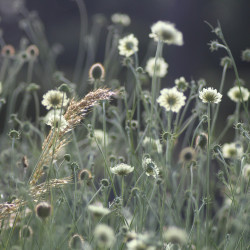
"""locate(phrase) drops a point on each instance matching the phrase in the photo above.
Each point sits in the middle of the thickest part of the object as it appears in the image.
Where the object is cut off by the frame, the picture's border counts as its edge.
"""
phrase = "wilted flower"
(232, 150)
(166, 32)
(25, 232)
(122, 169)
(171, 99)
(128, 45)
(104, 236)
(210, 95)
(8, 50)
(175, 235)
(181, 84)
(122, 19)
(236, 94)
(158, 67)
(54, 99)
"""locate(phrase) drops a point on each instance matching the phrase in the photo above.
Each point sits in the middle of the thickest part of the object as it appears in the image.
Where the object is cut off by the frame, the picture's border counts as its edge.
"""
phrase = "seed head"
(96, 73)
(32, 51)
(43, 210)
(85, 174)
(76, 242)
(8, 51)
(187, 155)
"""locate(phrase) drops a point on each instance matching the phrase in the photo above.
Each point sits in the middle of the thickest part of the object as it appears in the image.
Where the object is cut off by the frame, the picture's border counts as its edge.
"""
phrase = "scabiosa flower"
(76, 242)
(98, 210)
(232, 150)
(245, 55)
(175, 235)
(8, 50)
(150, 167)
(187, 155)
(57, 121)
(122, 169)
(99, 136)
(171, 99)
(96, 73)
(136, 244)
(166, 32)
(54, 99)
(122, 19)
(128, 45)
(159, 68)
(246, 172)
(43, 210)
(104, 236)
(25, 232)
(52, 113)
(155, 144)
(236, 95)
(181, 84)
(210, 95)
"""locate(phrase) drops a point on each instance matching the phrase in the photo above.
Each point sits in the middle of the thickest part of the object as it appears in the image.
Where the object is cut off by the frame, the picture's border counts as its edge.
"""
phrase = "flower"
(52, 113)
(136, 244)
(99, 136)
(181, 84)
(246, 172)
(96, 72)
(236, 95)
(232, 150)
(57, 121)
(122, 169)
(158, 67)
(245, 55)
(122, 19)
(54, 99)
(98, 210)
(76, 242)
(166, 32)
(128, 45)
(104, 236)
(175, 235)
(187, 155)
(171, 99)
(43, 209)
(152, 143)
(210, 95)
(150, 167)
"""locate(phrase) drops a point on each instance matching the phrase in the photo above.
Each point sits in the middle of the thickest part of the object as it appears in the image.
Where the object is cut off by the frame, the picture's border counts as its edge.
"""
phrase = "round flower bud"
(32, 87)
(226, 61)
(43, 210)
(14, 134)
(105, 182)
(64, 88)
(67, 157)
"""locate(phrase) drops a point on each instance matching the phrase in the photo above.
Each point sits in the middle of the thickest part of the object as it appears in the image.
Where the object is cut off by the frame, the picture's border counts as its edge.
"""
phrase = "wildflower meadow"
(114, 155)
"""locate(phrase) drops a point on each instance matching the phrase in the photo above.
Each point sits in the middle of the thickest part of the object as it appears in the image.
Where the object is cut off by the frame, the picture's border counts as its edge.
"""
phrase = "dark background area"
(193, 60)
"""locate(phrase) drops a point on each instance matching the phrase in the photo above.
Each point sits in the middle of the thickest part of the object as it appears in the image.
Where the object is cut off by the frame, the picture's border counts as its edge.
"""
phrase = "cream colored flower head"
(210, 95)
(235, 95)
(181, 84)
(98, 210)
(246, 172)
(159, 68)
(171, 99)
(54, 99)
(57, 121)
(150, 167)
(104, 236)
(122, 169)
(166, 32)
(123, 19)
(100, 137)
(153, 144)
(175, 235)
(232, 150)
(128, 45)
